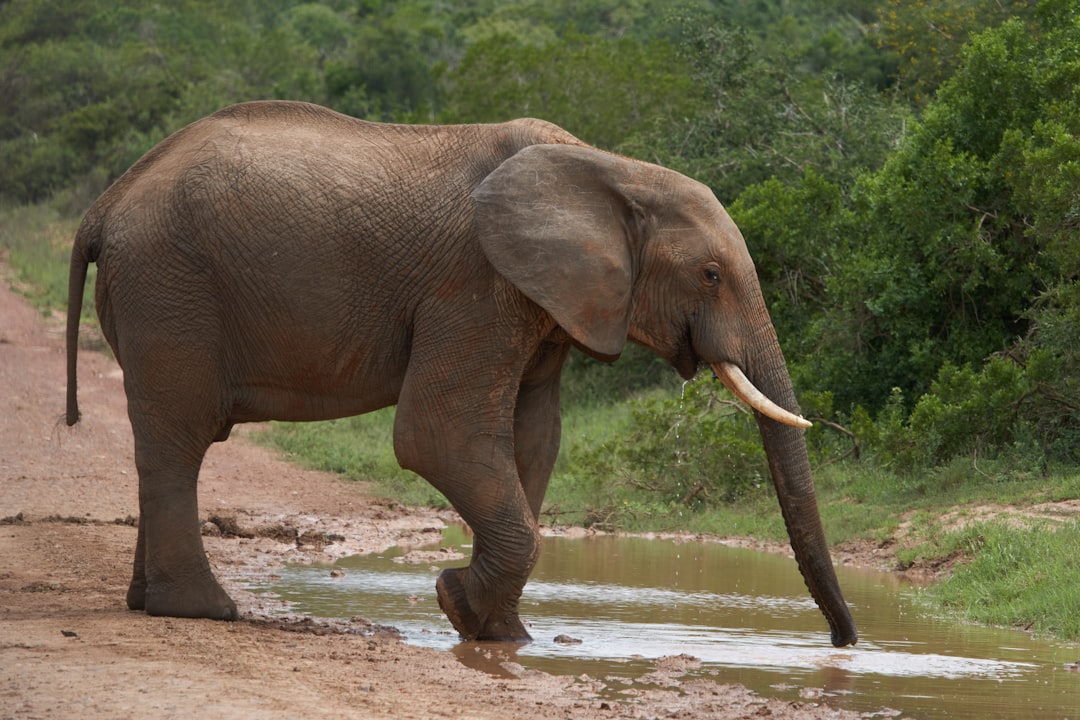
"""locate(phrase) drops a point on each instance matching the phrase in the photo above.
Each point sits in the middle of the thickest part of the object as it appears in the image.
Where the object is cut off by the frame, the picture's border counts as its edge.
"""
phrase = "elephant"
(278, 260)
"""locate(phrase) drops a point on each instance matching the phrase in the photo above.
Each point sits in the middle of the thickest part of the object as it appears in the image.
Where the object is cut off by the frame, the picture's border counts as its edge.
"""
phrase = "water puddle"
(745, 615)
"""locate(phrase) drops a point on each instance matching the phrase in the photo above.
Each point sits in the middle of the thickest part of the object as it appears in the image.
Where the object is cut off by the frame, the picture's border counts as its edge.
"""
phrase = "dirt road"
(69, 648)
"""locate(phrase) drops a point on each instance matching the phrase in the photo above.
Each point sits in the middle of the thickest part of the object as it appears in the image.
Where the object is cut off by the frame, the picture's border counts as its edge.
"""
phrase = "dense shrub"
(699, 448)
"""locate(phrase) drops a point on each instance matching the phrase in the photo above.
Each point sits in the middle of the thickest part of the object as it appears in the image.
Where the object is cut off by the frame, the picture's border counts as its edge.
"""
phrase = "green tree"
(680, 453)
(797, 233)
(968, 248)
(770, 115)
(90, 85)
(606, 91)
(927, 37)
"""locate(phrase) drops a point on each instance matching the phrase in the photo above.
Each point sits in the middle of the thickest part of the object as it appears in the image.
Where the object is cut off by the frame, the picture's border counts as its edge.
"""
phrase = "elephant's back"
(256, 176)
(292, 159)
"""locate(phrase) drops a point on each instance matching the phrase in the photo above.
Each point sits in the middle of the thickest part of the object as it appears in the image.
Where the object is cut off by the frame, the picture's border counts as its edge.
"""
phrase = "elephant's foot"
(495, 624)
(136, 594)
(203, 599)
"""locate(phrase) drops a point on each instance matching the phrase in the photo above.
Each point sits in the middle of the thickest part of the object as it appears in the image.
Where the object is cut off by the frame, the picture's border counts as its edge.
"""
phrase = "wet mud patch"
(228, 526)
(22, 519)
(321, 627)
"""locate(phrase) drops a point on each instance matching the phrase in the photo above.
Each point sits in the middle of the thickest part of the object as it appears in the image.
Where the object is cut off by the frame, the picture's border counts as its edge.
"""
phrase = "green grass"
(359, 448)
(1021, 573)
(1017, 577)
(36, 241)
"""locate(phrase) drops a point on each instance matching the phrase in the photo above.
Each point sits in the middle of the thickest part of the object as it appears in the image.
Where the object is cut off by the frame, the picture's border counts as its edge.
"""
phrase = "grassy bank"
(640, 453)
(1020, 577)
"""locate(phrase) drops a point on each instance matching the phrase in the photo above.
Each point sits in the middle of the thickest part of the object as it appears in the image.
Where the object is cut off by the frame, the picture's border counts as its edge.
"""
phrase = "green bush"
(968, 410)
(697, 450)
(1006, 409)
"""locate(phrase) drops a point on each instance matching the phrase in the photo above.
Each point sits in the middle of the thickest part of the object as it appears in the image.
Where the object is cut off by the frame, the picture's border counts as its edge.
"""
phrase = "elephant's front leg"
(537, 431)
(469, 457)
(481, 600)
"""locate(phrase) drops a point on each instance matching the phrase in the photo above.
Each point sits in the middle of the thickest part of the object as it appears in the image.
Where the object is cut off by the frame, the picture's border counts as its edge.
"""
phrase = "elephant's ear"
(553, 221)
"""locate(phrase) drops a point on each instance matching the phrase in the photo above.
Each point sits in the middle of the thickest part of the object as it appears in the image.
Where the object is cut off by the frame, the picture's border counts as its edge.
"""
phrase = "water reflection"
(745, 615)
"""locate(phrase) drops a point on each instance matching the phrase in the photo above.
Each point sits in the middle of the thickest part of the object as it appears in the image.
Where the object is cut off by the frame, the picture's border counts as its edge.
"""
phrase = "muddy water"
(744, 614)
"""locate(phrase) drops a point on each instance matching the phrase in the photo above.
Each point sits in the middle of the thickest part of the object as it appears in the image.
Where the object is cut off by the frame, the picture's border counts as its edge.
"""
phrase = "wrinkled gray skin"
(281, 261)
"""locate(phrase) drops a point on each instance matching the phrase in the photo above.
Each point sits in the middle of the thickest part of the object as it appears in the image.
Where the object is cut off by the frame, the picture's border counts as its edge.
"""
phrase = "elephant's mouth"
(685, 361)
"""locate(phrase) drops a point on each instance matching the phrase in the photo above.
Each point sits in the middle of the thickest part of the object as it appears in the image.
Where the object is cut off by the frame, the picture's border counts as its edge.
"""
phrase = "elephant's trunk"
(790, 468)
(789, 463)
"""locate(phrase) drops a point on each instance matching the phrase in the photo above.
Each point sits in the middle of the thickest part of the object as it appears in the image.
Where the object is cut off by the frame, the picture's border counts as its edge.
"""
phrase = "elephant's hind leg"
(176, 410)
(171, 574)
(136, 594)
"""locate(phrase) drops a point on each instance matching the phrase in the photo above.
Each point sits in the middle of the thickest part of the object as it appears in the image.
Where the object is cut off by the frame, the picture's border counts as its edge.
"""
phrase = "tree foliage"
(608, 90)
(927, 37)
(695, 450)
(773, 109)
(906, 173)
(965, 254)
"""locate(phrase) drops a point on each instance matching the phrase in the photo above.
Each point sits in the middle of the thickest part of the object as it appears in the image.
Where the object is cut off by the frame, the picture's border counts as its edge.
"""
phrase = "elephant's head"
(616, 249)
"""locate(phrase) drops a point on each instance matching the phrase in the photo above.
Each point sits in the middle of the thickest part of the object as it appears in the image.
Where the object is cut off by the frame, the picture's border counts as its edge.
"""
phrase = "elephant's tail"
(80, 262)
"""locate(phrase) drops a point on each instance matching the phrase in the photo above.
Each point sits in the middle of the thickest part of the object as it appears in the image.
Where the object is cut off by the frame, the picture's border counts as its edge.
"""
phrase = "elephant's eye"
(711, 275)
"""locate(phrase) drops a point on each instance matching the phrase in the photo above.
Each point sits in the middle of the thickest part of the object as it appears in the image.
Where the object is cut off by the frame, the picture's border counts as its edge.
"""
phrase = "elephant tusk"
(735, 381)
